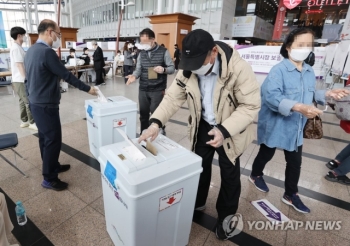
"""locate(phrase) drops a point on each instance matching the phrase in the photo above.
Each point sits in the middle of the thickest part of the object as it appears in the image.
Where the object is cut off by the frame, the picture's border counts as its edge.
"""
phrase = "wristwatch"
(164, 71)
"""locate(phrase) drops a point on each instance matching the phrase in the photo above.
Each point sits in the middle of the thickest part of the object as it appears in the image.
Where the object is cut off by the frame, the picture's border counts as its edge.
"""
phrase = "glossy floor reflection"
(76, 216)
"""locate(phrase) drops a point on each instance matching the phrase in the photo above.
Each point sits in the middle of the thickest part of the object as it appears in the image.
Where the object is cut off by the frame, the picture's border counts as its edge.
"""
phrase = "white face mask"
(130, 46)
(146, 47)
(299, 55)
(25, 39)
(203, 69)
(56, 44)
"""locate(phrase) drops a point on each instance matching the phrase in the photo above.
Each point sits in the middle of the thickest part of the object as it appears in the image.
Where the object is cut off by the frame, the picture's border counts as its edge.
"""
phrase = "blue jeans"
(344, 158)
(50, 138)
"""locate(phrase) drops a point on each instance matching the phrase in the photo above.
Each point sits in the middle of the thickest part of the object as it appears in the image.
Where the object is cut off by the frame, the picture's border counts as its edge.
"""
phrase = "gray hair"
(93, 42)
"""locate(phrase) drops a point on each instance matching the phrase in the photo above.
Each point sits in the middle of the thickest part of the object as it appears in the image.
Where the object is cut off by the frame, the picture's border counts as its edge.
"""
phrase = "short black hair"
(291, 37)
(175, 45)
(148, 32)
(71, 50)
(45, 24)
(85, 49)
(17, 30)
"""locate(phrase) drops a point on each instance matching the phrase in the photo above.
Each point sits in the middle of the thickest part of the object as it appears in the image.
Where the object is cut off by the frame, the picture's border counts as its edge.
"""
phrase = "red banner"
(281, 13)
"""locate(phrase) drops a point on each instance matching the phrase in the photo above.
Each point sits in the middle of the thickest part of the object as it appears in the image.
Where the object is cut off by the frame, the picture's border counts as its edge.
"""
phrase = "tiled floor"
(76, 216)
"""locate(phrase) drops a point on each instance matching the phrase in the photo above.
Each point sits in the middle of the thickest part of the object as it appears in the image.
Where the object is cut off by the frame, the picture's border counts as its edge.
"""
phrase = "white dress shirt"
(206, 86)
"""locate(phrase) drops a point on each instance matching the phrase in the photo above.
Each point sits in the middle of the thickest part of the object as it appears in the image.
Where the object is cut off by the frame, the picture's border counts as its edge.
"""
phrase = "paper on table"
(132, 151)
(100, 96)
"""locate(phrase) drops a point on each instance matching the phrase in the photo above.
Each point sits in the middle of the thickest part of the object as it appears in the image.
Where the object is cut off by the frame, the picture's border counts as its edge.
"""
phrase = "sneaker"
(219, 231)
(296, 203)
(33, 127)
(104, 83)
(341, 179)
(64, 168)
(332, 164)
(24, 124)
(259, 183)
(201, 208)
(57, 185)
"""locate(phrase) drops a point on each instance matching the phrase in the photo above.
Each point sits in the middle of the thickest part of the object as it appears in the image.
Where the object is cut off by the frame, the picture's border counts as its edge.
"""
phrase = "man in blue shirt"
(43, 73)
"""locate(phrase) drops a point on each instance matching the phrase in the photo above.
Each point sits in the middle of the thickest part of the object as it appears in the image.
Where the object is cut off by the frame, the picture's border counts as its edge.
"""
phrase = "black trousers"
(148, 103)
(50, 139)
(230, 190)
(177, 61)
(127, 71)
(292, 173)
(99, 78)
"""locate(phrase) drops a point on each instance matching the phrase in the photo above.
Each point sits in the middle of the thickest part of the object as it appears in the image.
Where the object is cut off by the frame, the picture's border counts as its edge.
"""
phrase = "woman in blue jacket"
(287, 96)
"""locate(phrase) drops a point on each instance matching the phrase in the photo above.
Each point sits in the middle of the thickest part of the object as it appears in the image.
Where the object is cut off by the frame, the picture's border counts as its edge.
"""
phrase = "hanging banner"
(345, 34)
(3, 43)
(281, 13)
(340, 56)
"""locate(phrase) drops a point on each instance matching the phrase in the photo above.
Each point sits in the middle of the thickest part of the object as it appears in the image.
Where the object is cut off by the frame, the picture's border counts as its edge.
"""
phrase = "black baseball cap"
(195, 48)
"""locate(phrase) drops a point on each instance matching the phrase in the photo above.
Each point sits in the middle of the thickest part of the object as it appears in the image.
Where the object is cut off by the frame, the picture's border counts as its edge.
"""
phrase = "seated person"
(85, 56)
(5, 223)
(71, 56)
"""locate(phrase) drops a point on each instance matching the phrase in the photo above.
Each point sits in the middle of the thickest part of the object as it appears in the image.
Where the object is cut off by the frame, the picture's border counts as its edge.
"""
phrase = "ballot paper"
(100, 96)
(131, 150)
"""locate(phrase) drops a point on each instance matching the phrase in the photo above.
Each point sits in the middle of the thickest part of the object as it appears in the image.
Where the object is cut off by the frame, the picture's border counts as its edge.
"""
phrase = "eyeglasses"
(58, 33)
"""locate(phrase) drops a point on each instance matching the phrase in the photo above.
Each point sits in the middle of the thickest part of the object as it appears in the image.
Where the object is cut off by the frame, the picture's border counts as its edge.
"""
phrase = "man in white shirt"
(18, 76)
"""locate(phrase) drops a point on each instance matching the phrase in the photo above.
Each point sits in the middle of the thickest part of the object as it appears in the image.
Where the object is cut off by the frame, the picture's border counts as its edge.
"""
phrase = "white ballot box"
(105, 118)
(149, 199)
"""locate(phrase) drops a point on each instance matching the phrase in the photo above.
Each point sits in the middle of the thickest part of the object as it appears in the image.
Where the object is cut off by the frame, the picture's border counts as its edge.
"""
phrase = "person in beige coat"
(5, 223)
(223, 97)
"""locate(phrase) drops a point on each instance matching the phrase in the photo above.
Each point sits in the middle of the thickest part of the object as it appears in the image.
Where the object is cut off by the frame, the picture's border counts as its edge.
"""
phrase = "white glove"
(151, 132)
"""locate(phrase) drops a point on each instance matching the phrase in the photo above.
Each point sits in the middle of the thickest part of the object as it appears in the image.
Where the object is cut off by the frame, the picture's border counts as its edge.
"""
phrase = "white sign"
(263, 29)
(330, 52)
(243, 26)
(119, 122)
(345, 34)
(183, 31)
(269, 211)
(261, 58)
(340, 56)
(170, 200)
(320, 54)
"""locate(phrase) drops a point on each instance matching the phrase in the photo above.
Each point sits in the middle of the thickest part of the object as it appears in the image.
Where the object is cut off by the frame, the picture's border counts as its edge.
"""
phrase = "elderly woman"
(287, 95)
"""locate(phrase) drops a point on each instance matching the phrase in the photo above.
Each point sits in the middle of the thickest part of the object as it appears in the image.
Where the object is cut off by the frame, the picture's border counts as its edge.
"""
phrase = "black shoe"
(341, 179)
(64, 168)
(219, 231)
(56, 185)
(332, 164)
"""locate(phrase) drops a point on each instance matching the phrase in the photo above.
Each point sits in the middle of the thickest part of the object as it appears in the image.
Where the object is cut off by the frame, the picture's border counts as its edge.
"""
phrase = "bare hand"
(131, 79)
(93, 91)
(337, 93)
(151, 132)
(218, 138)
(159, 69)
(308, 111)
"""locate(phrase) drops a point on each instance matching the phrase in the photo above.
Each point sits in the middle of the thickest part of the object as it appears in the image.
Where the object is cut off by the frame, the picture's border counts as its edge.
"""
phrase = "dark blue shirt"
(43, 73)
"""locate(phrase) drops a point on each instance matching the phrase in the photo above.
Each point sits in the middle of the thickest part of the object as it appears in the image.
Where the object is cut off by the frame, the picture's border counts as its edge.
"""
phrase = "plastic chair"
(10, 141)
